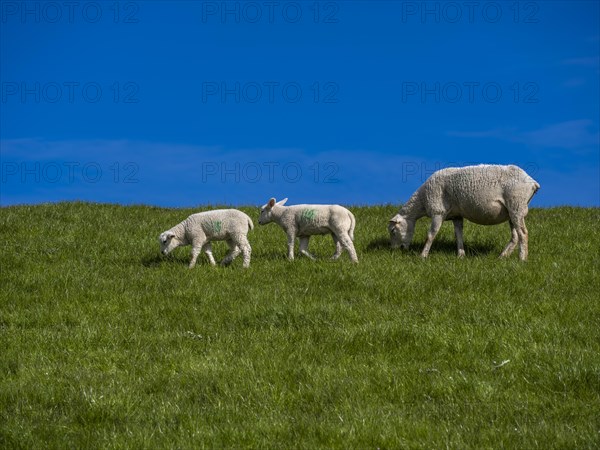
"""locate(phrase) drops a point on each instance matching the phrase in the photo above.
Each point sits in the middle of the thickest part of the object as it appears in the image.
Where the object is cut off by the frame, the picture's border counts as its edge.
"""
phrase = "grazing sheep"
(200, 229)
(304, 221)
(484, 194)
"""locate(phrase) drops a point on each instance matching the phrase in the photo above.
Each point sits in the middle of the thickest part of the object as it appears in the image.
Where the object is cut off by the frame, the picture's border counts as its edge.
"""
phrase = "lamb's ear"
(271, 203)
(170, 235)
(282, 202)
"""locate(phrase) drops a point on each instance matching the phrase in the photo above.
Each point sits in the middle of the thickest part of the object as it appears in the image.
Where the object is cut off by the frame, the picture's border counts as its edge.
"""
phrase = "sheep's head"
(168, 242)
(266, 212)
(399, 232)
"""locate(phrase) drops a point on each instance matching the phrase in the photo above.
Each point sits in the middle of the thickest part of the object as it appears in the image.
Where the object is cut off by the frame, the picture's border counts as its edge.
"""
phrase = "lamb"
(200, 229)
(304, 221)
(483, 194)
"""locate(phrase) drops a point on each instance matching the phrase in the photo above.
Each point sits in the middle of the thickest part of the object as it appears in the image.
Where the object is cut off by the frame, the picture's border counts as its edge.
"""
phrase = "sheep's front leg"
(291, 238)
(208, 250)
(304, 247)
(458, 232)
(196, 249)
(436, 223)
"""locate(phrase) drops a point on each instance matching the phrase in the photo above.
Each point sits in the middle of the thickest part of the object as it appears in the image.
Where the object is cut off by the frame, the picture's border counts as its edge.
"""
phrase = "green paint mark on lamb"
(308, 215)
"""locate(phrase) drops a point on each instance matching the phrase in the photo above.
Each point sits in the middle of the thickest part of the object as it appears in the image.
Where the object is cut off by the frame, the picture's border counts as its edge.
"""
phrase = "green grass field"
(105, 344)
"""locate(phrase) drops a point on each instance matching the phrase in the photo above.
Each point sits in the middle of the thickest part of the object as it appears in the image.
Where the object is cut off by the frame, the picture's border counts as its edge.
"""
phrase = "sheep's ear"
(170, 235)
(282, 202)
(271, 203)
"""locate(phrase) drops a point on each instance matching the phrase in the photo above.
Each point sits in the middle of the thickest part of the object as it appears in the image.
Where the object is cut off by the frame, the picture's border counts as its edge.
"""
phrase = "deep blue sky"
(353, 102)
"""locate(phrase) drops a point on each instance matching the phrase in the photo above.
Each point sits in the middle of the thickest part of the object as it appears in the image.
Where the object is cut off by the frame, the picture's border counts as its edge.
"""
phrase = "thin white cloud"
(500, 133)
(585, 61)
(574, 82)
(571, 134)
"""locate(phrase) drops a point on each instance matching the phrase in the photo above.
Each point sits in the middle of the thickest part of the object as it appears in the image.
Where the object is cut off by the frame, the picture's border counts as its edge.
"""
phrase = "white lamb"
(484, 194)
(304, 221)
(200, 229)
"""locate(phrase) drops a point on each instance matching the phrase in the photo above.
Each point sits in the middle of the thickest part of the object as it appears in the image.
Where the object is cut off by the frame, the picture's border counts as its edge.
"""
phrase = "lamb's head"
(168, 242)
(266, 211)
(399, 232)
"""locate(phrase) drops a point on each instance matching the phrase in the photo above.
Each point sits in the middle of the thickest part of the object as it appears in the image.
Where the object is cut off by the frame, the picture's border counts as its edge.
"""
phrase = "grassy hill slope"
(107, 344)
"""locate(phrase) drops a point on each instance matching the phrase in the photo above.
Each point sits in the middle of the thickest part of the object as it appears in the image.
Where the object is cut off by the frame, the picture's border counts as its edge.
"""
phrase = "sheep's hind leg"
(436, 223)
(523, 239)
(512, 243)
(246, 250)
(234, 250)
(208, 250)
(304, 247)
(338, 247)
(517, 218)
(458, 232)
(348, 245)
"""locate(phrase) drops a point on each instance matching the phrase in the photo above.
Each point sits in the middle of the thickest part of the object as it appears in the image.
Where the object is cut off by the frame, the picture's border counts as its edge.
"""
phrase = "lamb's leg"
(304, 247)
(196, 250)
(291, 239)
(512, 243)
(436, 223)
(338, 247)
(244, 245)
(458, 232)
(208, 250)
(347, 243)
(234, 250)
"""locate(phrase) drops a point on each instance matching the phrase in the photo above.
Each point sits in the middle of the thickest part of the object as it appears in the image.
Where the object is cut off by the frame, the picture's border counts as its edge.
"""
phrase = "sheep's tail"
(352, 225)
(250, 224)
(536, 187)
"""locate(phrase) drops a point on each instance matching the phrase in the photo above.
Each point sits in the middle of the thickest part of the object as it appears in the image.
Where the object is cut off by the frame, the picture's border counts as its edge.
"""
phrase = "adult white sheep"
(200, 229)
(303, 221)
(484, 194)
